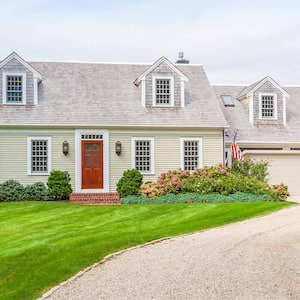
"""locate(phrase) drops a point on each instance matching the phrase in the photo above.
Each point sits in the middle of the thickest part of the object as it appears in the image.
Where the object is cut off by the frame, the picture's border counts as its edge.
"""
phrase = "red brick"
(96, 198)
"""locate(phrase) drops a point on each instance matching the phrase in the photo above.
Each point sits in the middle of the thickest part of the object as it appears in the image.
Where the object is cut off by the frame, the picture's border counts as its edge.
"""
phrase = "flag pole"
(235, 149)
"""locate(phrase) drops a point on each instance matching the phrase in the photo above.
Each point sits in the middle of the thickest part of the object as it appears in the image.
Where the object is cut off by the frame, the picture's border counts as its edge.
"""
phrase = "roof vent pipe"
(181, 59)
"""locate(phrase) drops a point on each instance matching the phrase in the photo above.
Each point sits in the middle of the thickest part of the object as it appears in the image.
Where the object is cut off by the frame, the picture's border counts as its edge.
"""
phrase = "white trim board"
(106, 174)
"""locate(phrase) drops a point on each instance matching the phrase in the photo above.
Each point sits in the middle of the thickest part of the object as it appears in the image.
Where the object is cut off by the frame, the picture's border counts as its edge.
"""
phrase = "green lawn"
(44, 243)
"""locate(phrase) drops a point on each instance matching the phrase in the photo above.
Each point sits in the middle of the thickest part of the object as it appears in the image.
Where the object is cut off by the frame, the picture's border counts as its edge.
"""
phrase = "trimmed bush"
(59, 187)
(36, 192)
(11, 190)
(130, 183)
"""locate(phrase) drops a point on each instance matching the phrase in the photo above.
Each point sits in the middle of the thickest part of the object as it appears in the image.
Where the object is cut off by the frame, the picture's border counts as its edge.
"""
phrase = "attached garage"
(284, 166)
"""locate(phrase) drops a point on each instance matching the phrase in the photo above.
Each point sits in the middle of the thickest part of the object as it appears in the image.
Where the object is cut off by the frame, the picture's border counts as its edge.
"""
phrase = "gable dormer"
(18, 82)
(265, 101)
(162, 85)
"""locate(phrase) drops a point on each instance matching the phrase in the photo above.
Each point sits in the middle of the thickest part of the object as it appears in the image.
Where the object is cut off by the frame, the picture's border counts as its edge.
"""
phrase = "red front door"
(92, 164)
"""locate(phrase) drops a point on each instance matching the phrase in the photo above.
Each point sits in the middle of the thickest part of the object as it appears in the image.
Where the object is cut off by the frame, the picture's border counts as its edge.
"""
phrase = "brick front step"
(96, 198)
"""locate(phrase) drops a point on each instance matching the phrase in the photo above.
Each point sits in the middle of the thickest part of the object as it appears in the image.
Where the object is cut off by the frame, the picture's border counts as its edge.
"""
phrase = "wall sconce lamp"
(65, 148)
(118, 147)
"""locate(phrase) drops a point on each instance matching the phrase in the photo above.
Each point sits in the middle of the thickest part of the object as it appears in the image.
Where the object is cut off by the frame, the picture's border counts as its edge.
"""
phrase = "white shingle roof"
(87, 94)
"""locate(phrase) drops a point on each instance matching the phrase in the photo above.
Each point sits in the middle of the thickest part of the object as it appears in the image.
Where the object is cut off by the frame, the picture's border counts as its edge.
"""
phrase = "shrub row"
(12, 190)
(59, 188)
(199, 198)
(217, 180)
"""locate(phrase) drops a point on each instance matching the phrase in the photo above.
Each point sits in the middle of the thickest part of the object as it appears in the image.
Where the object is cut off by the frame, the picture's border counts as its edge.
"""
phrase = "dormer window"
(159, 83)
(265, 101)
(14, 88)
(163, 91)
(19, 82)
(268, 106)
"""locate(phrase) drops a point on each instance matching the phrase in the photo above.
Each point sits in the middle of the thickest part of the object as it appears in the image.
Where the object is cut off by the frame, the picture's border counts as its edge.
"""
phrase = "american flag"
(235, 149)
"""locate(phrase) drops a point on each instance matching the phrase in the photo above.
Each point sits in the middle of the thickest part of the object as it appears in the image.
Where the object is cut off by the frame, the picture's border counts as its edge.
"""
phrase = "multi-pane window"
(39, 155)
(163, 91)
(191, 153)
(14, 89)
(92, 136)
(143, 155)
(267, 106)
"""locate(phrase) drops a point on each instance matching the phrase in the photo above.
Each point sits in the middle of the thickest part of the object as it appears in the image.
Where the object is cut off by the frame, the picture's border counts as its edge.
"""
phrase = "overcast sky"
(236, 41)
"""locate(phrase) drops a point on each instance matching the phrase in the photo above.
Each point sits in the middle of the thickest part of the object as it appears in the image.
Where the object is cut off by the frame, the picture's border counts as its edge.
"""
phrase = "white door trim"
(105, 138)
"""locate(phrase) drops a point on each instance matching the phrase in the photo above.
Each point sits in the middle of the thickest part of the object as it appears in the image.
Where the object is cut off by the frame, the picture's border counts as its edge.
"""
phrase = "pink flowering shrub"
(215, 172)
(167, 183)
(216, 179)
(280, 191)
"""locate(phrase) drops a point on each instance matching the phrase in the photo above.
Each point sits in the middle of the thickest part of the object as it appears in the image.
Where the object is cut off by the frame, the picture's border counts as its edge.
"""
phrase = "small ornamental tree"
(251, 168)
(130, 183)
(59, 187)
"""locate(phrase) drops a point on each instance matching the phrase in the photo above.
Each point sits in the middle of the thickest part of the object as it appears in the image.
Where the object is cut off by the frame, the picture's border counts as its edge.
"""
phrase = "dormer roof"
(14, 55)
(155, 65)
(256, 85)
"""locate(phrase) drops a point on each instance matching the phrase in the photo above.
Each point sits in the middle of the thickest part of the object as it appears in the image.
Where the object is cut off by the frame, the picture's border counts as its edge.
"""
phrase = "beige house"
(96, 120)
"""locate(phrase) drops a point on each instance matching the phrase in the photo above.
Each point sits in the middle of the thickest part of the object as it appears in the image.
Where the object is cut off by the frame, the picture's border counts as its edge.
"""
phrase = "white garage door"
(283, 168)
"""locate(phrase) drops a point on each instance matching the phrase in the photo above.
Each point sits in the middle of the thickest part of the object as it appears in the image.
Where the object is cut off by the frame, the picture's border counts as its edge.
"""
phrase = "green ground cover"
(45, 243)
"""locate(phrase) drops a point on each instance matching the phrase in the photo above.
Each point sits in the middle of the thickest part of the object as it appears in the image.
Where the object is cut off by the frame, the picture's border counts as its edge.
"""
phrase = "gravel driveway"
(254, 259)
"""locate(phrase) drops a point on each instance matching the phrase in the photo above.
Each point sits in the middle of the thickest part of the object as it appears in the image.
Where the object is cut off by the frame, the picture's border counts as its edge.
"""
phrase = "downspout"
(224, 148)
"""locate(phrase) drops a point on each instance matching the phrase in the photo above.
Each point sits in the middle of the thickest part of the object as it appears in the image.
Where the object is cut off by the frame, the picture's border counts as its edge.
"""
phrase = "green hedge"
(59, 186)
(12, 190)
(130, 183)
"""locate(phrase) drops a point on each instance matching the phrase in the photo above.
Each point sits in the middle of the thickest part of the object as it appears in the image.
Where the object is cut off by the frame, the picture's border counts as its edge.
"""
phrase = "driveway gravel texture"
(254, 259)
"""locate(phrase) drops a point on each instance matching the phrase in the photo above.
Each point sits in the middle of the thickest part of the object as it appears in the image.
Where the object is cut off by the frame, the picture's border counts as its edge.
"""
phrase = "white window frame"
(163, 77)
(274, 95)
(133, 153)
(29, 154)
(4, 87)
(200, 154)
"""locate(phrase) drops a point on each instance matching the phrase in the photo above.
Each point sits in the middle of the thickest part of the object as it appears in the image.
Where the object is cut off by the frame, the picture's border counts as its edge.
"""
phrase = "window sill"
(147, 174)
(38, 174)
(14, 104)
(163, 106)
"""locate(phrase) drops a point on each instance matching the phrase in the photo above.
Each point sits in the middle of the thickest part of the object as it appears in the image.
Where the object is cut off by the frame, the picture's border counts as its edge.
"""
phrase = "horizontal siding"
(167, 151)
(13, 154)
(212, 150)
(59, 160)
